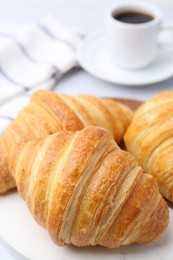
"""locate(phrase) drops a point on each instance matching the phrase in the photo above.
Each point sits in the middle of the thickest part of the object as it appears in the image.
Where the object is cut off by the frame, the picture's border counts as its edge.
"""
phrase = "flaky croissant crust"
(86, 191)
(48, 113)
(150, 139)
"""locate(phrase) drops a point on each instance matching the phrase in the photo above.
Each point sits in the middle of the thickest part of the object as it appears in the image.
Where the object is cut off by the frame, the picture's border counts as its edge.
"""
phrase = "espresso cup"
(133, 33)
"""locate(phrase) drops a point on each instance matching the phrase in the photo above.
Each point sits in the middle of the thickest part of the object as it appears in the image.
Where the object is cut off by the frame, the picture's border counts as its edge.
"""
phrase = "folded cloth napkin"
(32, 57)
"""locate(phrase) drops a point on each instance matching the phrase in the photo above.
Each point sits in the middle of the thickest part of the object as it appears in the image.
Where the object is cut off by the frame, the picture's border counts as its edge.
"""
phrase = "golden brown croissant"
(48, 113)
(150, 139)
(86, 191)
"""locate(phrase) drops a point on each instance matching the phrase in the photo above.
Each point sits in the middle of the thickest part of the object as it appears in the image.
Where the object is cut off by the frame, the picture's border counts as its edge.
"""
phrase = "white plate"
(28, 240)
(25, 236)
(93, 57)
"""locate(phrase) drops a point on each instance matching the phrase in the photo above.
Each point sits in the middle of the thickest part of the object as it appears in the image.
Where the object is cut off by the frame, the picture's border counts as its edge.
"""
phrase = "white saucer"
(93, 57)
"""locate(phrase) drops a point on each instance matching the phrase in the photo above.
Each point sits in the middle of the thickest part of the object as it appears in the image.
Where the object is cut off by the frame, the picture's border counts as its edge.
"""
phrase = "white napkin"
(32, 57)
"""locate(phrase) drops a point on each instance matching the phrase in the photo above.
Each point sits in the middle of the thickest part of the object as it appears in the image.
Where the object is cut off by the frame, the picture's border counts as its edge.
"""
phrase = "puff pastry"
(86, 191)
(48, 113)
(150, 139)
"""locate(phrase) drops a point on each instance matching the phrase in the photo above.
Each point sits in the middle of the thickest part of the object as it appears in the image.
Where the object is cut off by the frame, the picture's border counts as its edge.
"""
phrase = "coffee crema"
(133, 17)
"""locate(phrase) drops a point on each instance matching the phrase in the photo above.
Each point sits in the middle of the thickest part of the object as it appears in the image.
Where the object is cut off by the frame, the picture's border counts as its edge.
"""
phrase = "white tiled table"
(78, 81)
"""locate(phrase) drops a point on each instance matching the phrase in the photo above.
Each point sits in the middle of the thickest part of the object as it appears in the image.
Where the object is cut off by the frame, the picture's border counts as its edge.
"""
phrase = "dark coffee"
(133, 17)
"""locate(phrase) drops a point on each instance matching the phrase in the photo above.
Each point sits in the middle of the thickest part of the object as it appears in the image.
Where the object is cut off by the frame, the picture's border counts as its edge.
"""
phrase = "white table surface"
(78, 81)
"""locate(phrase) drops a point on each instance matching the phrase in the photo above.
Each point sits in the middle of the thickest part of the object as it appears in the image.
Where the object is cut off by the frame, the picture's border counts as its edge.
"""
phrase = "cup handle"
(166, 26)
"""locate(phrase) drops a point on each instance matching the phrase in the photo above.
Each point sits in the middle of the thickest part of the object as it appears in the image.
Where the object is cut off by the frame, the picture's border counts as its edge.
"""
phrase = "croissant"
(150, 139)
(86, 191)
(48, 113)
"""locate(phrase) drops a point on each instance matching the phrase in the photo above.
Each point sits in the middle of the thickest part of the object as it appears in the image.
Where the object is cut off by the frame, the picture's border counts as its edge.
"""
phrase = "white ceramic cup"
(134, 46)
